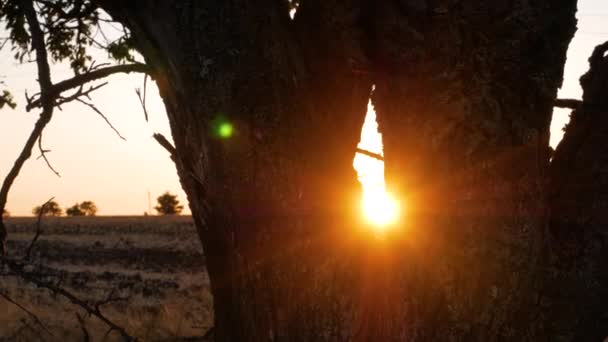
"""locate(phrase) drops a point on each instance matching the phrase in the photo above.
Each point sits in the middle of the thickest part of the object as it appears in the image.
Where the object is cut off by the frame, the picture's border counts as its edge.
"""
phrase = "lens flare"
(225, 130)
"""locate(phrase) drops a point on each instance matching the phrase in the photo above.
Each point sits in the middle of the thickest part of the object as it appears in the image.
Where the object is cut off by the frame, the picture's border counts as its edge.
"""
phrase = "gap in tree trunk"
(293, 8)
(379, 208)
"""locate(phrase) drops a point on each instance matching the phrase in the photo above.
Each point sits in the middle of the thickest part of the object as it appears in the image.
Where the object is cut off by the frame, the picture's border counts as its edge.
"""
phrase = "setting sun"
(379, 208)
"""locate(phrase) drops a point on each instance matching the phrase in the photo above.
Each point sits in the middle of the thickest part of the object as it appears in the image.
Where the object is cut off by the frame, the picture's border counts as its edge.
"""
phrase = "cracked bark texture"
(464, 99)
(464, 93)
(263, 196)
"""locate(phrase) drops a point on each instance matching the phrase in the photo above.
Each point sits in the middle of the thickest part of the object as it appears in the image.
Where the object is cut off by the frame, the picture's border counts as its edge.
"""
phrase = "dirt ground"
(153, 264)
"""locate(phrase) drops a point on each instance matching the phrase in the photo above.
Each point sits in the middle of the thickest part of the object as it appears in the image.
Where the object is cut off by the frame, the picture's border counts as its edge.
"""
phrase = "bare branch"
(24, 309)
(173, 154)
(85, 78)
(110, 298)
(93, 107)
(370, 154)
(44, 79)
(85, 333)
(12, 175)
(43, 153)
(3, 42)
(38, 229)
(142, 101)
(19, 331)
(79, 93)
(19, 270)
(567, 103)
(165, 144)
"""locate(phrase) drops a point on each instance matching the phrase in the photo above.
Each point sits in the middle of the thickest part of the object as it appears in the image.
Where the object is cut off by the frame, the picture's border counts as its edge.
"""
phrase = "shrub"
(89, 208)
(74, 210)
(51, 208)
(86, 208)
(168, 204)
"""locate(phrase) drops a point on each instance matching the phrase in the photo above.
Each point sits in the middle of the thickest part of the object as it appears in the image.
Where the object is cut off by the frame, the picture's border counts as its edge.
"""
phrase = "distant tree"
(168, 204)
(51, 208)
(74, 210)
(5, 213)
(86, 208)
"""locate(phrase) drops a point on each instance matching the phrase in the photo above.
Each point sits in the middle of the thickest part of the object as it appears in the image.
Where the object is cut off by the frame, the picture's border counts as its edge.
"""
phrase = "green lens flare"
(225, 130)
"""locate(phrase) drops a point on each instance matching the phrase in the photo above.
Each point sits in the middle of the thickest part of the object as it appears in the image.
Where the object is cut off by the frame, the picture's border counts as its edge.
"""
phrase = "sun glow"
(379, 208)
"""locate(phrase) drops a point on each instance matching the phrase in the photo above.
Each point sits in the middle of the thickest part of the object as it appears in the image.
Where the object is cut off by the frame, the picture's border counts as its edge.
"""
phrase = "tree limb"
(79, 93)
(24, 309)
(567, 103)
(44, 79)
(165, 144)
(94, 75)
(370, 154)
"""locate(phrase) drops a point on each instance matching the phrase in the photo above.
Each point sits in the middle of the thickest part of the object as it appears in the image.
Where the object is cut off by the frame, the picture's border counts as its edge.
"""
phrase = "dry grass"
(156, 262)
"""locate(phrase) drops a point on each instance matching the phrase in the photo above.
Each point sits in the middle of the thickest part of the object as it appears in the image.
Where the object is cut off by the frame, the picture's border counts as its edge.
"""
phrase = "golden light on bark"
(378, 207)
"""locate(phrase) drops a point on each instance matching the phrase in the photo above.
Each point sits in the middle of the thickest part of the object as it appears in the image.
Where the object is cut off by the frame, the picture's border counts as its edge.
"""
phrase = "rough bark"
(464, 96)
(265, 198)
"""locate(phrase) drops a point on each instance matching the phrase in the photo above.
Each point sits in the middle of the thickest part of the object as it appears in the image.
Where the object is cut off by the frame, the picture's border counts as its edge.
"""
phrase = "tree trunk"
(267, 200)
(464, 97)
(578, 277)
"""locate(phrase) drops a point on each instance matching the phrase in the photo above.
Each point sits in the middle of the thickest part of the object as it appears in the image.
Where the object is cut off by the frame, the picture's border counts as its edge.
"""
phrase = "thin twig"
(110, 298)
(81, 79)
(43, 153)
(3, 42)
(38, 229)
(19, 270)
(142, 101)
(19, 331)
(26, 327)
(24, 309)
(79, 93)
(94, 108)
(370, 154)
(85, 332)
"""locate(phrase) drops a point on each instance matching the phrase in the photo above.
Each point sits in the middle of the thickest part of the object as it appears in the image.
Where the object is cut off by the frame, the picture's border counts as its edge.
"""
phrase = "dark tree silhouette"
(88, 208)
(5, 213)
(168, 204)
(74, 210)
(51, 208)
(266, 112)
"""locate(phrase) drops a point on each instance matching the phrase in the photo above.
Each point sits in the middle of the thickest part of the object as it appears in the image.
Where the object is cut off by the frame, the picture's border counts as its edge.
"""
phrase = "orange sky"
(117, 175)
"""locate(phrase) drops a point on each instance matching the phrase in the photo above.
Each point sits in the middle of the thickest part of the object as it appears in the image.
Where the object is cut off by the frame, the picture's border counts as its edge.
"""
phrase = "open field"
(156, 263)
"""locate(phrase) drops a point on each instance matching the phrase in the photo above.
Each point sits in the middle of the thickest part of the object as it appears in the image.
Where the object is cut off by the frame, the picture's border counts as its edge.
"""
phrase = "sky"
(118, 175)
(592, 31)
